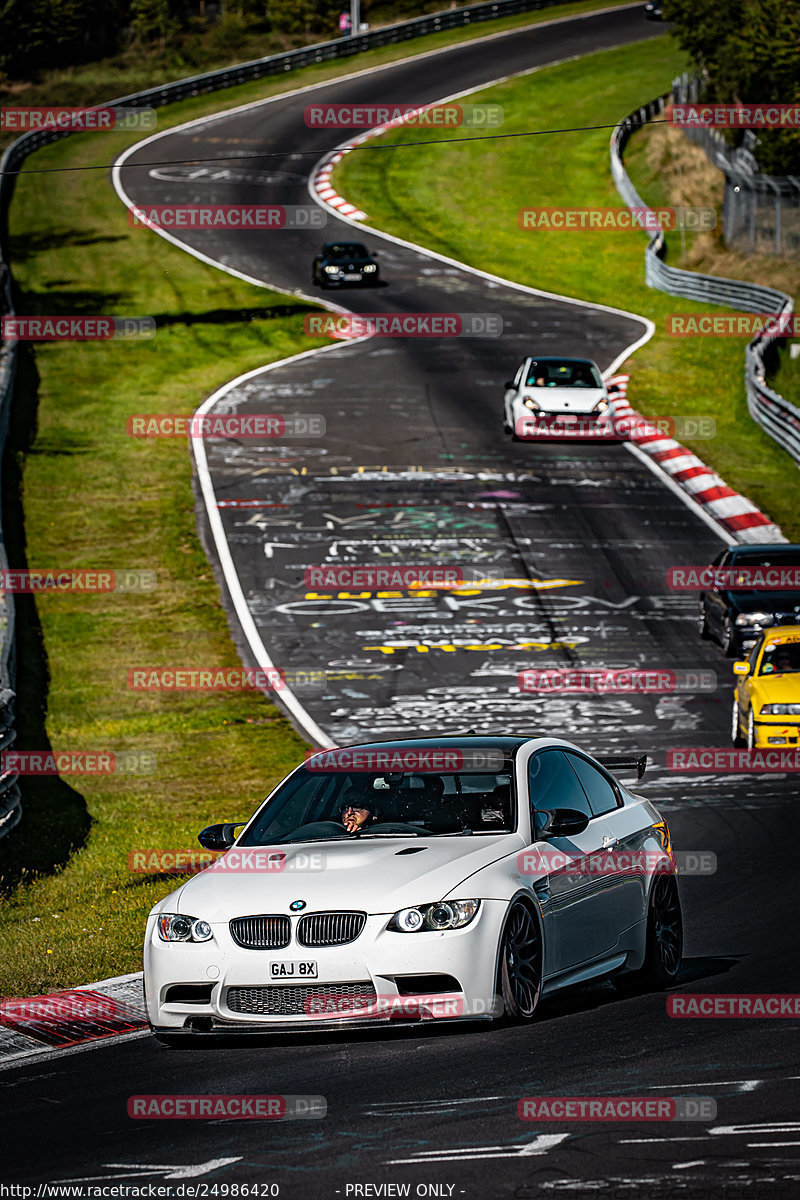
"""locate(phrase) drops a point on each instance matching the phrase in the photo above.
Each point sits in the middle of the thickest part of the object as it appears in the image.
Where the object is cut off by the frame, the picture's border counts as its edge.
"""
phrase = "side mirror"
(219, 837)
(509, 383)
(563, 822)
(741, 668)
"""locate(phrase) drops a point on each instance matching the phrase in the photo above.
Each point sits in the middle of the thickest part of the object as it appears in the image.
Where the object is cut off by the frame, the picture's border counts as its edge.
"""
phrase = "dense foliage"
(748, 50)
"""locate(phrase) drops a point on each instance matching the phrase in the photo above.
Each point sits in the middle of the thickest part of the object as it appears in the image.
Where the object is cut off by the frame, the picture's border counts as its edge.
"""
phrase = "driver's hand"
(354, 819)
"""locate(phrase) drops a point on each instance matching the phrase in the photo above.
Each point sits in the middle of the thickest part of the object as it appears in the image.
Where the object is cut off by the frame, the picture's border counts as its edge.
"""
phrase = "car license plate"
(294, 969)
(352, 278)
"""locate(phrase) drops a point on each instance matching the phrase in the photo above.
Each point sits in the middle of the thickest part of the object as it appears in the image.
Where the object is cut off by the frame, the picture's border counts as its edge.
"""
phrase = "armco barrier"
(779, 418)
(169, 93)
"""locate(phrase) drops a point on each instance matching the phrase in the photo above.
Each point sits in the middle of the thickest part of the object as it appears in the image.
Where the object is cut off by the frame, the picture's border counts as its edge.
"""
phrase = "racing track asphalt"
(439, 1106)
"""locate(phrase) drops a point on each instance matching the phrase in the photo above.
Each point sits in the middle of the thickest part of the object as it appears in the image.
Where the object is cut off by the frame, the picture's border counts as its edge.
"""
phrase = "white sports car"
(551, 393)
(447, 878)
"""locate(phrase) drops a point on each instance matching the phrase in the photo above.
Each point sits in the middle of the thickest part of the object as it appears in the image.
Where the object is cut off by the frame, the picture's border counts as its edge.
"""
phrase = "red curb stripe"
(691, 473)
(716, 493)
(746, 520)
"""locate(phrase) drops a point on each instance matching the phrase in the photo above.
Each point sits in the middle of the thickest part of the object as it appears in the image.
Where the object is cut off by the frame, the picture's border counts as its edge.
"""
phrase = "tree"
(748, 51)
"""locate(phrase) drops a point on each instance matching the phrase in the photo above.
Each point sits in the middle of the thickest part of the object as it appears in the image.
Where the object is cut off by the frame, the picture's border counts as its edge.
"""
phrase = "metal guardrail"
(169, 93)
(779, 418)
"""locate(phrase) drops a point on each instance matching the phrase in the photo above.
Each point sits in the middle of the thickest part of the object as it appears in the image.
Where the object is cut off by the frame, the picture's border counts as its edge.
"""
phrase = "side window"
(553, 784)
(718, 561)
(599, 789)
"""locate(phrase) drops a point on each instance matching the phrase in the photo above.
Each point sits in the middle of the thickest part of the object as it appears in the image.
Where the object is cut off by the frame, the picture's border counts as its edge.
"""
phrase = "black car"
(736, 616)
(653, 12)
(344, 262)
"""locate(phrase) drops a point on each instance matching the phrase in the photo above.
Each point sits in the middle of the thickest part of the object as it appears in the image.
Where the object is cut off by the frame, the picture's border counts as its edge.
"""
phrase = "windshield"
(563, 372)
(780, 658)
(347, 250)
(314, 805)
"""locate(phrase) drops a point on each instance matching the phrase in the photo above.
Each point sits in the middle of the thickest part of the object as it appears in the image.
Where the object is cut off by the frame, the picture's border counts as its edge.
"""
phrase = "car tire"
(702, 621)
(506, 427)
(520, 966)
(751, 731)
(728, 637)
(664, 941)
(736, 736)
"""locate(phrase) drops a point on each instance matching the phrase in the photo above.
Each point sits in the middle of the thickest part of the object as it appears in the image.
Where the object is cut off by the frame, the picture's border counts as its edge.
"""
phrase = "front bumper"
(381, 965)
(564, 425)
(776, 731)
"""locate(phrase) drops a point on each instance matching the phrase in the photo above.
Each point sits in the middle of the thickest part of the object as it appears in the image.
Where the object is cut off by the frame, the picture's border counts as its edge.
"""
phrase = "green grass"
(93, 496)
(463, 200)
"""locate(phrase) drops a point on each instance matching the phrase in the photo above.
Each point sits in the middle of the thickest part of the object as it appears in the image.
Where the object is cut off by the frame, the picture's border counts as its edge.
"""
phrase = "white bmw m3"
(453, 878)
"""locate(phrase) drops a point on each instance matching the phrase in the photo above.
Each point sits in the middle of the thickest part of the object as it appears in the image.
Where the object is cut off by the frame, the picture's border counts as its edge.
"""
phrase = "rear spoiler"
(625, 762)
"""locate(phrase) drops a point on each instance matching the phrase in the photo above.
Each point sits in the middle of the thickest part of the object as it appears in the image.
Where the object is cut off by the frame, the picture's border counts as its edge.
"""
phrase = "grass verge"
(463, 200)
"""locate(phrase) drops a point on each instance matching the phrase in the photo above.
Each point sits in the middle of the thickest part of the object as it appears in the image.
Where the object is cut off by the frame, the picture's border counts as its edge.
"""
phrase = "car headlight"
(173, 927)
(448, 914)
(370, 267)
(755, 618)
(601, 406)
(780, 710)
(333, 270)
(531, 404)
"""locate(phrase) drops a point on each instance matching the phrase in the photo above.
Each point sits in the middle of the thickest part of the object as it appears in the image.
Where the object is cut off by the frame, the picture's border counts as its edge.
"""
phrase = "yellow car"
(766, 703)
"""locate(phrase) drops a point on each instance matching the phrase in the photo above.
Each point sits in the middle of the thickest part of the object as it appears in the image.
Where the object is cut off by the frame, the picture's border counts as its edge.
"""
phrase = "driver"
(355, 819)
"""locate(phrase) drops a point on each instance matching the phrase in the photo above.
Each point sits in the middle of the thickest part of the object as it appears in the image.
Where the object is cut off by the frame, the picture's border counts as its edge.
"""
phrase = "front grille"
(330, 929)
(261, 933)
(299, 1001)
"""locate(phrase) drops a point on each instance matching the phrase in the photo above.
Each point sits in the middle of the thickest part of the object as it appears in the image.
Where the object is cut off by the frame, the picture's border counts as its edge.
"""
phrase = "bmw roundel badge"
(296, 905)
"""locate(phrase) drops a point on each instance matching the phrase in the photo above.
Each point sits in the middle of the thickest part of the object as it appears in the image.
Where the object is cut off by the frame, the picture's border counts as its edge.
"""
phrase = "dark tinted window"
(553, 784)
(347, 250)
(597, 786)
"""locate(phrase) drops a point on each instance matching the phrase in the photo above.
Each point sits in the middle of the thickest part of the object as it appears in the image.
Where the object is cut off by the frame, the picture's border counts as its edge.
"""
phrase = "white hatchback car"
(454, 878)
(554, 391)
